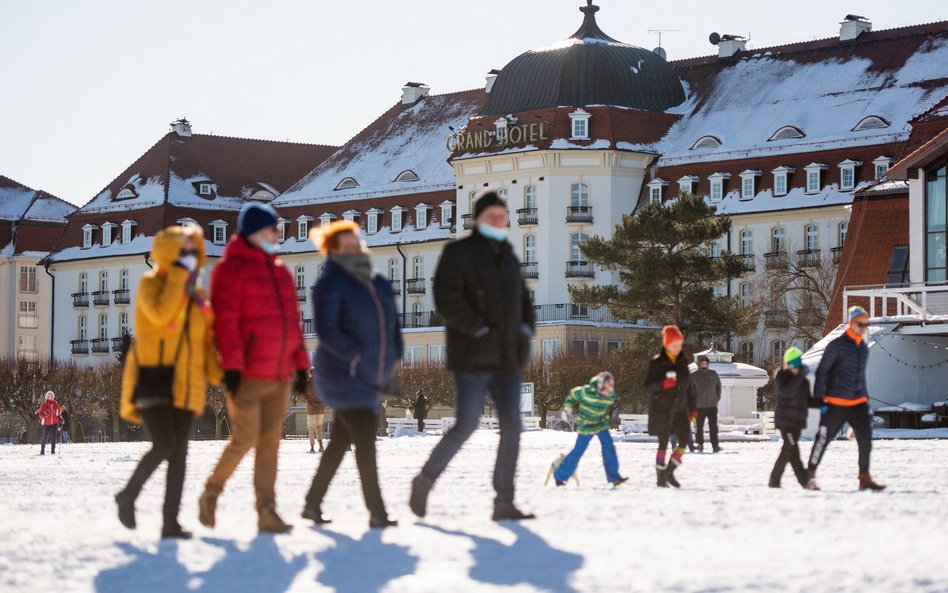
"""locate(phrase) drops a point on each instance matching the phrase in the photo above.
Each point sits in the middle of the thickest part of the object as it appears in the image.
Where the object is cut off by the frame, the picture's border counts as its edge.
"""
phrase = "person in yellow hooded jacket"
(173, 338)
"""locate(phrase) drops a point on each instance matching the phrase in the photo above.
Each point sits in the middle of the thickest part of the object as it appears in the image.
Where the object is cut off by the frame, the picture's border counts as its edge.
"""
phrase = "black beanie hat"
(255, 216)
(486, 201)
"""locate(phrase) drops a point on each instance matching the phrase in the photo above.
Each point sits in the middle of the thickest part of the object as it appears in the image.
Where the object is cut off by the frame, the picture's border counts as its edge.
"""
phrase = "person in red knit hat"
(667, 382)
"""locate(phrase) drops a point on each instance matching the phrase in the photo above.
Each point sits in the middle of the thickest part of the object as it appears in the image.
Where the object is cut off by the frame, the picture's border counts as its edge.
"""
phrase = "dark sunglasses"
(861, 324)
(189, 252)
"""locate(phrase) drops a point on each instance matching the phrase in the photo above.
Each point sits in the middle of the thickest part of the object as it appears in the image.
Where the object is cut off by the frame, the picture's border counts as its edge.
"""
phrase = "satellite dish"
(714, 38)
(660, 52)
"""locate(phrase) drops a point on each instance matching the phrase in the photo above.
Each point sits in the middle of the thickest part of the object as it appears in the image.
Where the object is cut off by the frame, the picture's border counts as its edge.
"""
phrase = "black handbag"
(155, 384)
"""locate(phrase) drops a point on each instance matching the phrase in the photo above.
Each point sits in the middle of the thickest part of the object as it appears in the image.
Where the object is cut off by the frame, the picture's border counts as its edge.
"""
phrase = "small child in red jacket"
(49, 419)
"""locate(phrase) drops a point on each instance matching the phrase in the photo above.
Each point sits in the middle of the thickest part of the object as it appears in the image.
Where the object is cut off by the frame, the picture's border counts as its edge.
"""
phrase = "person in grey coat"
(707, 395)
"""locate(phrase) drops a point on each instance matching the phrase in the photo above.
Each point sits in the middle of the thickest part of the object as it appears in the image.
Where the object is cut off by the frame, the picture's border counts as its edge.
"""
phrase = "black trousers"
(421, 425)
(859, 418)
(169, 428)
(351, 427)
(711, 414)
(789, 453)
(50, 434)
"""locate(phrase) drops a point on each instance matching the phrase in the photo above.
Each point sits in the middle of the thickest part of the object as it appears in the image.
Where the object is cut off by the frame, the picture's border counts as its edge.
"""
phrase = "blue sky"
(89, 86)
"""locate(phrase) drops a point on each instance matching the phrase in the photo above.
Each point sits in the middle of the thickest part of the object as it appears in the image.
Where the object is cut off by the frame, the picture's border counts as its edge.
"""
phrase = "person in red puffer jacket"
(256, 324)
(49, 419)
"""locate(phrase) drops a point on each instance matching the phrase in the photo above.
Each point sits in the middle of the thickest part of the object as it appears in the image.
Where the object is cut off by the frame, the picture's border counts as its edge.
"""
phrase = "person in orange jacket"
(49, 419)
(173, 321)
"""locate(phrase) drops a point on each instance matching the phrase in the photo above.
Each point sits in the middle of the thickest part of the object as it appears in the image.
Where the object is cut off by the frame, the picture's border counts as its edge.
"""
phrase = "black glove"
(232, 381)
(300, 382)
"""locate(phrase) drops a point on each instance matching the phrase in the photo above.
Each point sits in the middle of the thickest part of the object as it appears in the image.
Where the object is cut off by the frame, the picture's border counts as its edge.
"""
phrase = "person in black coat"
(793, 401)
(667, 383)
(421, 410)
(841, 384)
(489, 318)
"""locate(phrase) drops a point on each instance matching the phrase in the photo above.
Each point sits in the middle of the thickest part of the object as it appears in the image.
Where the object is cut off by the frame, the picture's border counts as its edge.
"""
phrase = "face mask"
(492, 232)
(188, 261)
(268, 247)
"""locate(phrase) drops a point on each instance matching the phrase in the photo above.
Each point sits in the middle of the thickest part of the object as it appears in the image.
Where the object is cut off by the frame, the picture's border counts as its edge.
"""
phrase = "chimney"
(730, 45)
(853, 26)
(181, 127)
(491, 78)
(413, 92)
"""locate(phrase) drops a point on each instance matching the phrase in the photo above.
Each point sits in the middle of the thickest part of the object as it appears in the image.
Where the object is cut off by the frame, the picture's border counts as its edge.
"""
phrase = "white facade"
(24, 306)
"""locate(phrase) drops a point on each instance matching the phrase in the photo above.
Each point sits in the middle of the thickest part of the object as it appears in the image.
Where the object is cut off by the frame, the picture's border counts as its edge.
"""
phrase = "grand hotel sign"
(501, 138)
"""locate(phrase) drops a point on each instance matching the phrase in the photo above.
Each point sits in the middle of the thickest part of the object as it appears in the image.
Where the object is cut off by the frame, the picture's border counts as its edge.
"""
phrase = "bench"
(632, 423)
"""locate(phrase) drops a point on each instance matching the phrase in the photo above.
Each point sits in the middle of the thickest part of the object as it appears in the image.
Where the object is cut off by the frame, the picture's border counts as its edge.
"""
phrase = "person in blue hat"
(793, 400)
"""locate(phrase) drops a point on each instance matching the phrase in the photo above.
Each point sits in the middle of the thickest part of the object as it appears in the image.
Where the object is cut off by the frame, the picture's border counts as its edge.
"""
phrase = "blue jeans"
(609, 458)
(470, 391)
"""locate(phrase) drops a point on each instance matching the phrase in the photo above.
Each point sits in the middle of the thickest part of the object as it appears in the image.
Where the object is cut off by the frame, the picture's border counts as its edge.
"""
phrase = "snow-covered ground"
(724, 531)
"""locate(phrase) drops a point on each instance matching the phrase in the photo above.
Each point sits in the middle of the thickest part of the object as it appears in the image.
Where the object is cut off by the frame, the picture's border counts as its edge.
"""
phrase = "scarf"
(359, 265)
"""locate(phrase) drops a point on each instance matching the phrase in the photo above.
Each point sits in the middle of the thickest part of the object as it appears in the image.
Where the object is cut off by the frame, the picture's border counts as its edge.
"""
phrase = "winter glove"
(232, 381)
(300, 382)
(669, 383)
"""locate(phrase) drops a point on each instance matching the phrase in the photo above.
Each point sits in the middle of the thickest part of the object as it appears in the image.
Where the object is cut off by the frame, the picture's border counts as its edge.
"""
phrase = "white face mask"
(492, 232)
(268, 247)
(188, 261)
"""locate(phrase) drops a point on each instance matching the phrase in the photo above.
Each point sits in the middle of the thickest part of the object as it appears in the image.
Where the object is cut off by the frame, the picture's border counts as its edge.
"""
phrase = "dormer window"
(372, 220)
(655, 189)
(326, 218)
(127, 227)
(397, 219)
(205, 189)
(447, 213)
(302, 227)
(781, 180)
(187, 222)
(219, 232)
(717, 185)
(814, 177)
(407, 175)
(107, 233)
(686, 185)
(281, 229)
(126, 193)
(847, 174)
(421, 216)
(706, 142)
(350, 215)
(749, 183)
(262, 196)
(882, 165)
(787, 133)
(500, 130)
(872, 122)
(88, 235)
(347, 183)
(579, 124)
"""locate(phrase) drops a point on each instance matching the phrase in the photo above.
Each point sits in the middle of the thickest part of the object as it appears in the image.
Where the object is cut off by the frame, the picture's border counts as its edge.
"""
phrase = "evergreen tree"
(667, 271)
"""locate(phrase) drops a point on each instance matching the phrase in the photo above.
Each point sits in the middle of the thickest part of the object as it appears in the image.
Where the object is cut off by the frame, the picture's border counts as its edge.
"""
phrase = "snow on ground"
(724, 531)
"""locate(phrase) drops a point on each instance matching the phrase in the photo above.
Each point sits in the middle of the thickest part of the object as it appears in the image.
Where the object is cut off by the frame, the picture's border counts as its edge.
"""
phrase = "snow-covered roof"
(404, 138)
(766, 201)
(15, 198)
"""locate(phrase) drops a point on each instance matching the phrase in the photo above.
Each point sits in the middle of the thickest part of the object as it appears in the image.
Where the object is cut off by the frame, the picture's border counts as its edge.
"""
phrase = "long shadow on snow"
(529, 560)
(366, 561)
(261, 567)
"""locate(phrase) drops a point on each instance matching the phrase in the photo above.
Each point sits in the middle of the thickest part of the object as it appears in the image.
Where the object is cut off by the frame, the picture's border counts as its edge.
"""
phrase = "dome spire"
(589, 29)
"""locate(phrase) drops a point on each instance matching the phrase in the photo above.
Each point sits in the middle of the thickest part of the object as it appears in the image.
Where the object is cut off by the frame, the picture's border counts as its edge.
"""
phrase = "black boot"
(126, 509)
(381, 521)
(175, 531)
(661, 481)
(420, 487)
(315, 514)
(670, 474)
(508, 512)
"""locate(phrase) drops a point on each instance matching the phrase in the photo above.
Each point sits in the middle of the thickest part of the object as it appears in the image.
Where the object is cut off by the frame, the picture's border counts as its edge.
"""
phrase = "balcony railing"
(750, 262)
(100, 298)
(396, 286)
(811, 317)
(415, 285)
(79, 346)
(579, 269)
(776, 260)
(530, 269)
(809, 258)
(80, 299)
(309, 328)
(422, 319)
(122, 296)
(837, 254)
(574, 312)
(467, 221)
(301, 294)
(776, 319)
(527, 216)
(579, 214)
(100, 346)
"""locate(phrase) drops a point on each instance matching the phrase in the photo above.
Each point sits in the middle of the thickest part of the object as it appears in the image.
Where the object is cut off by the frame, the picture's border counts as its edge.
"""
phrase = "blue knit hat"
(855, 311)
(255, 216)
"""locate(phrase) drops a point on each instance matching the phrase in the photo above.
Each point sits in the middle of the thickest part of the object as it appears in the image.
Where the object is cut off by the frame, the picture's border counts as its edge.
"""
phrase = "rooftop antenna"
(660, 50)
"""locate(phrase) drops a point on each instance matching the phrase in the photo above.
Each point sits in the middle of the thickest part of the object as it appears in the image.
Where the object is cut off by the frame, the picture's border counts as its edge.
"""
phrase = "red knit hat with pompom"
(671, 333)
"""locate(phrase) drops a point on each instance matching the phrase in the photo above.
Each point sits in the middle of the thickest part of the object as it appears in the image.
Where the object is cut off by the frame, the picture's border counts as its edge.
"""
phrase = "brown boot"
(866, 483)
(207, 505)
(269, 522)
(811, 480)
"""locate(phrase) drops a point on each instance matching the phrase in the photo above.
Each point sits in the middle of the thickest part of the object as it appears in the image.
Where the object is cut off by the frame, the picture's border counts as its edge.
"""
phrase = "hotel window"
(747, 242)
(219, 232)
(107, 233)
(447, 213)
(715, 250)
(104, 281)
(745, 352)
(83, 283)
(530, 249)
(419, 267)
(530, 197)
(372, 221)
(847, 174)
(881, 165)
(421, 216)
(127, 227)
(83, 327)
(579, 195)
(205, 189)
(393, 269)
(778, 242)
(936, 224)
(407, 175)
(706, 142)
(26, 347)
(88, 235)
(302, 227)
(396, 219)
(103, 326)
(550, 348)
(436, 352)
(28, 318)
(812, 181)
(686, 185)
(655, 187)
(27, 278)
(843, 229)
(749, 184)
(745, 293)
(811, 237)
(326, 219)
(780, 184)
(898, 266)
(300, 277)
(576, 242)
(579, 121)
(414, 354)
(777, 348)
(717, 185)
(123, 324)
(347, 183)
(123, 279)
(349, 215)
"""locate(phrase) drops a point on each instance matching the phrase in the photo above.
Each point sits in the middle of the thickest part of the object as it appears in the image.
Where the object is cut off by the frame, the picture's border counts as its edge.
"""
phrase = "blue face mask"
(492, 232)
(268, 247)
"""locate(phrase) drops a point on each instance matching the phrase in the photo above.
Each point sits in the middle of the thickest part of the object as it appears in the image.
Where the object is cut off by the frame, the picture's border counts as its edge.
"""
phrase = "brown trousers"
(256, 415)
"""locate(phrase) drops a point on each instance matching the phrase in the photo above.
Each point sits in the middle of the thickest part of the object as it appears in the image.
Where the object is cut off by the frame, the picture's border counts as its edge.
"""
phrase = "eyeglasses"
(861, 324)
